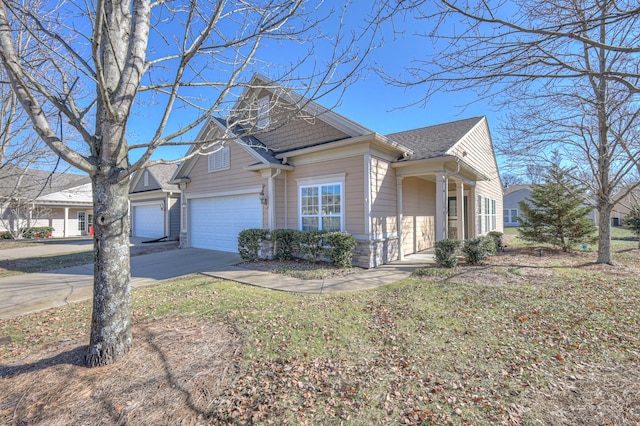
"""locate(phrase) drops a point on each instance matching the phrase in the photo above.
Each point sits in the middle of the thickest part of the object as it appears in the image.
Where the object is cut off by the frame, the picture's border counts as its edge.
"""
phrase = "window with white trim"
(479, 208)
(263, 113)
(82, 221)
(219, 160)
(510, 215)
(321, 207)
(487, 215)
(494, 216)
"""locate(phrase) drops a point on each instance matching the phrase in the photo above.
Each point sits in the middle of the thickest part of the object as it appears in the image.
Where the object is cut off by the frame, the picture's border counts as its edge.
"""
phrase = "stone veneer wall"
(374, 253)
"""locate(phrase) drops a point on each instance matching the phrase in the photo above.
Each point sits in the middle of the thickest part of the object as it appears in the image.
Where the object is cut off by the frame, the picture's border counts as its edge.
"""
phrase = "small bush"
(285, 243)
(340, 246)
(310, 245)
(496, 236)
(37, 232)
(6, 235)
(475, 250)
(446, 251)
(249, 241)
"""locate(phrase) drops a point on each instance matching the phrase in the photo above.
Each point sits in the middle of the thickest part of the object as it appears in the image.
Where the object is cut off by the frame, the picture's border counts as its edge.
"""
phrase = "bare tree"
(113, 59)
(568, 72)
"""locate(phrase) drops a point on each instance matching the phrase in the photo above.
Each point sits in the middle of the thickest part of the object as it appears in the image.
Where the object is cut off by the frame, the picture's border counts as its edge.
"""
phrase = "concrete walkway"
(368, 279)
(26, 293)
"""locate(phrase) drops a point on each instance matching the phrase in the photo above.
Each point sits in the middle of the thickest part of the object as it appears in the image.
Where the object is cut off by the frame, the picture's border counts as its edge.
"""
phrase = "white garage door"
(216, 222)
(148, 221)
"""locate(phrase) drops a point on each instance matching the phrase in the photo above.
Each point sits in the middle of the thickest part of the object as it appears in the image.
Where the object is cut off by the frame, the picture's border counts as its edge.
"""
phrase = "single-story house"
(512, 195)
(33, 198)
(623, 207)
(155, 203)
(396, 194)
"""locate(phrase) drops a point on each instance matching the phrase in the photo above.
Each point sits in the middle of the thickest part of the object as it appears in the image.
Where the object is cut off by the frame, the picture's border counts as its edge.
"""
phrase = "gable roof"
(434, 141)
(162, 173)
(81, 194)
(514, 188)
(30, 184)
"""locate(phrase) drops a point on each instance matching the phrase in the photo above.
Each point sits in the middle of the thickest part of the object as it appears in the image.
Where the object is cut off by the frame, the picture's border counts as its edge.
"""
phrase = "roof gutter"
(371, 137)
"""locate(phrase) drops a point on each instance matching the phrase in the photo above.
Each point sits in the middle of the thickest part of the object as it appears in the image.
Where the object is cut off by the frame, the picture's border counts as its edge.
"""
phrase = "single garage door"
(148, 221)
(216, 222)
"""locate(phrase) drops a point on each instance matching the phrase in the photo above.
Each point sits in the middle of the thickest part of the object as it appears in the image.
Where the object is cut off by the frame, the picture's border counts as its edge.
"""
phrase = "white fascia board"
(371, 138)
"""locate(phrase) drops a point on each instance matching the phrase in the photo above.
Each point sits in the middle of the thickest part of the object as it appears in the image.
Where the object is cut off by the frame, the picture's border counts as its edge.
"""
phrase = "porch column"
(473, 213)
(441, 207)
(399, 218)
(65, 232)
(460, 209)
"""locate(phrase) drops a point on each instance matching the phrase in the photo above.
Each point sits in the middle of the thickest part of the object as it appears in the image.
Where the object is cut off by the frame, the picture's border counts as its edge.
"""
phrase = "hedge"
(288, 244)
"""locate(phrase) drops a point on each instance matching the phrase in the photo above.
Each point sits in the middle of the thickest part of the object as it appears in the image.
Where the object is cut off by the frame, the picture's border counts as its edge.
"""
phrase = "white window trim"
(223, 152)
(82, 221)
(319, 183)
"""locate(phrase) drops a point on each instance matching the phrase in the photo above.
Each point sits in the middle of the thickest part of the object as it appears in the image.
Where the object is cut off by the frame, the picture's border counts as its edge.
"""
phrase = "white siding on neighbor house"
(476, 150)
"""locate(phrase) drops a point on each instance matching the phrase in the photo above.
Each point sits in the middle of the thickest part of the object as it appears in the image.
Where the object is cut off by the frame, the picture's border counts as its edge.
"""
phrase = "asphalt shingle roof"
(434, 141)
(30, 183)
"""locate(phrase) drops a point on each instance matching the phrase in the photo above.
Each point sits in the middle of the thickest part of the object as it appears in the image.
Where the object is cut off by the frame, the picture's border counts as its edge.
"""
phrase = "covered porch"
(435, 201)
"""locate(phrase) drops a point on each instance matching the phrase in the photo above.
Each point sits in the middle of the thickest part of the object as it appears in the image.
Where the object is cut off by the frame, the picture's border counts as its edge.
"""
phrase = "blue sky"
(370, 101)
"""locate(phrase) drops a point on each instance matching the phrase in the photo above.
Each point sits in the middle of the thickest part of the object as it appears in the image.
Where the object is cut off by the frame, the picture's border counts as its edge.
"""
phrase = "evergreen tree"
(556, 213)
(632, 221)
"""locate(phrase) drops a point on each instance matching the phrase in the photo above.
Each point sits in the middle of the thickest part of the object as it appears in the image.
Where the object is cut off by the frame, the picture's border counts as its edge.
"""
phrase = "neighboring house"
(396, 194)
(155, 203)
(512, 195)
(622, 208)
(34, 198)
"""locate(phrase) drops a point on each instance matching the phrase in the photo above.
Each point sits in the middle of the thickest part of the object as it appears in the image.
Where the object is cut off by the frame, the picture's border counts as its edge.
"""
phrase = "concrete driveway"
(34, 292)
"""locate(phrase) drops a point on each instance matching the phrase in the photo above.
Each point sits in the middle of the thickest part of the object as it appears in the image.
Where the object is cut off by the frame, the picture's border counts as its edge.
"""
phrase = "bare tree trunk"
(604, 234)
(111, 320)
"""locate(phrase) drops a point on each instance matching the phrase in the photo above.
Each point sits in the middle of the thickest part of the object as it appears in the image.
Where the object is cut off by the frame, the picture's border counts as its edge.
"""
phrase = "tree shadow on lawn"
(74, 356)
(175, 370)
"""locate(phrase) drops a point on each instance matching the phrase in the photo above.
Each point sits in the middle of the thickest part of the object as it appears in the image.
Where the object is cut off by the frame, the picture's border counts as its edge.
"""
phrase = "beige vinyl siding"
(383, 198)
(234, 178)
(477, 151)
(418, 219)
(281, 202)
(353, 190)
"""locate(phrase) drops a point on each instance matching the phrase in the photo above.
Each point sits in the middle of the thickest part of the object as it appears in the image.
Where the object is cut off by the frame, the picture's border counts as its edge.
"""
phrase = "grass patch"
(425, 350)
(13, 244)
(303, 272)
(433, 272)
(45, 263)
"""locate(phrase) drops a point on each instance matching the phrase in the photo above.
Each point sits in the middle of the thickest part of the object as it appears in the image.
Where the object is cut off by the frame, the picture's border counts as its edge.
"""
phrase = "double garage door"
(215, 222)
(148, 221)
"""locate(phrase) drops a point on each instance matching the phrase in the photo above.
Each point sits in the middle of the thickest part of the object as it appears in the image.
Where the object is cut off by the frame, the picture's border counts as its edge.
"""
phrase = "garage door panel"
(148, 221)
(216, 222)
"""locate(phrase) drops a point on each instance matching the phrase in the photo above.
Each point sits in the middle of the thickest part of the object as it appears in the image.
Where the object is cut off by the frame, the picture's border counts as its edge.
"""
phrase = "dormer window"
(263, 113)
(219, 160)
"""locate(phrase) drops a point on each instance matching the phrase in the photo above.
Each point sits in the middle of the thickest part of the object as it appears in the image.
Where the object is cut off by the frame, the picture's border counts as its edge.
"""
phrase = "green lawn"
(484, 345)
(621, 239)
